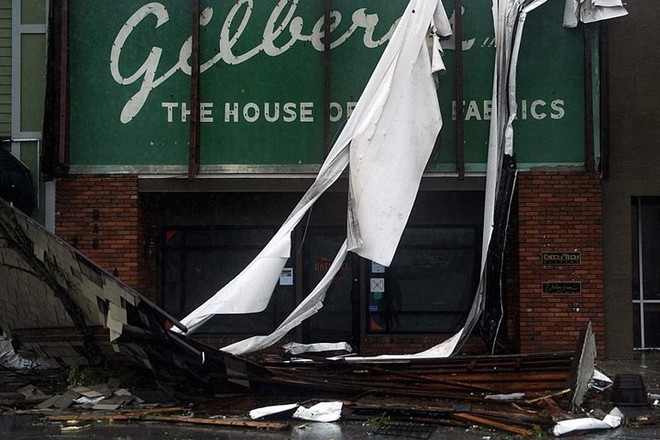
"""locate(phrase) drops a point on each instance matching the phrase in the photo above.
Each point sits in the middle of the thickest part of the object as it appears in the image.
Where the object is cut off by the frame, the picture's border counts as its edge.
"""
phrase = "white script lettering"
(283, 29)
(537, 109)
(281, 19)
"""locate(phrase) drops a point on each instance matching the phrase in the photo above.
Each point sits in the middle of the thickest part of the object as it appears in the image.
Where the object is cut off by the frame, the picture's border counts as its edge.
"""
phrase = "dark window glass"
(650, 225)
(196, 263)
(335, 321)
(430, 285)
(652, 325)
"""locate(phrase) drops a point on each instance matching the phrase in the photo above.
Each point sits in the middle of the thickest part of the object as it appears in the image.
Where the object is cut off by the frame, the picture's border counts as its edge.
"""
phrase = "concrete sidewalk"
(646, 364)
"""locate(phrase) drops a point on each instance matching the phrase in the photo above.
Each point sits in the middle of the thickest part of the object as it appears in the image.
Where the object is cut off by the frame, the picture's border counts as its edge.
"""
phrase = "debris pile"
(463, 393)
(458, 377)
(524, 395)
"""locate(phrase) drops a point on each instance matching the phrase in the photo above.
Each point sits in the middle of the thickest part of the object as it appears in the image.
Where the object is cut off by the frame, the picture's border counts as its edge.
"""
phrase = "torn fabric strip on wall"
(399, 106)
(590, 11)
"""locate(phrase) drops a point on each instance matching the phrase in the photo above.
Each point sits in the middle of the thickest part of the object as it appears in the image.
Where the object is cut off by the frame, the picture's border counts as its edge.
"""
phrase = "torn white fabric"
(611, 420)
(390, 150)
(442, 350)
(250, 291)
(592, 12)
(265, 411)
(508, 21)
(398, 107)
(321, 412)
(395, 123)
(589, 11)
(308, 307)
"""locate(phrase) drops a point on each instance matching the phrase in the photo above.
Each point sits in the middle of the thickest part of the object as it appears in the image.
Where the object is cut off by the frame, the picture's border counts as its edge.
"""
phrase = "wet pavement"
(18, 426)
(30, 427)
(24, 427)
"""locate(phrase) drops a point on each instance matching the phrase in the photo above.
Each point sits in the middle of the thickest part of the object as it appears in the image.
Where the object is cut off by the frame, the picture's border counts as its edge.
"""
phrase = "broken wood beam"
(465, 417)
(275, 426)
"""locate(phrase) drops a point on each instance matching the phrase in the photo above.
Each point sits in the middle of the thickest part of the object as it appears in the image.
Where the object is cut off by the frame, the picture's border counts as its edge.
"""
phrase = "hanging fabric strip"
(390, 144)
(381, 121)
(508, 18)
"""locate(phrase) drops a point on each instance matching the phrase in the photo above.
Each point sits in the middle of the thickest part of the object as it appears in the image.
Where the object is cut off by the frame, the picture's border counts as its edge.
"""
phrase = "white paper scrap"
(321, 412)
(611, 420)
(270, 410)
(598, 375)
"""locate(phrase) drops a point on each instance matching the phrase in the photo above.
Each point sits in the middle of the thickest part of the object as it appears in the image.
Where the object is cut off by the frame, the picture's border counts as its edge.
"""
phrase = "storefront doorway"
(206, 240)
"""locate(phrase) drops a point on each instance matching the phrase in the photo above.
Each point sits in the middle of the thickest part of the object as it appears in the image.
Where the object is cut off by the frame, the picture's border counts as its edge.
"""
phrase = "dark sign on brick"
(561, 258)
(562, 287)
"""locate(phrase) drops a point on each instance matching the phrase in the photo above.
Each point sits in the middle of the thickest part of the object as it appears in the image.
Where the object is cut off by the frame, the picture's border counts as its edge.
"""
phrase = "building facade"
(178, 145)
(630, 184)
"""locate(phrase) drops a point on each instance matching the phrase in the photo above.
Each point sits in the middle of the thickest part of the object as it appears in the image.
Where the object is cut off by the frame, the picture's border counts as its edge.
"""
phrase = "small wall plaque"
(562, 287)
(561, 258)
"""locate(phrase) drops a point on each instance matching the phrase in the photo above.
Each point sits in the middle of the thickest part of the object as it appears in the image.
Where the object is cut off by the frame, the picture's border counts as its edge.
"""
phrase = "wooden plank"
(465, 417)
(117, 415)
(171, 419)
(221, 422)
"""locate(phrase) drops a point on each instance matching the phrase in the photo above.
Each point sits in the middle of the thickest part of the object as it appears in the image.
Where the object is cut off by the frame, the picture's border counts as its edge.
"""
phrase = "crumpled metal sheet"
(47, 284)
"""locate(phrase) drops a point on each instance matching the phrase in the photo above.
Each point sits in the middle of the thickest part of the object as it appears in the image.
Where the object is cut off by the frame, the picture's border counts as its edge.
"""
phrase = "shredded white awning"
(389, 136)
(387, 142)
(590, 11)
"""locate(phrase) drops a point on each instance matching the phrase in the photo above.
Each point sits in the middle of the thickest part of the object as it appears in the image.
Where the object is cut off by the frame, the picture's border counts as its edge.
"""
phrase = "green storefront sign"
(262, 83)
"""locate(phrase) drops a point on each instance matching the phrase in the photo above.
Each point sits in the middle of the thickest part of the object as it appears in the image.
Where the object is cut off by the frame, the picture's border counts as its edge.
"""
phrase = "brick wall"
(101, 217)
(559, 212)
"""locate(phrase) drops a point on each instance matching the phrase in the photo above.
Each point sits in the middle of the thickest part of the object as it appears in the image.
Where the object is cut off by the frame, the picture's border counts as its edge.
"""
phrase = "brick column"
(559, 212)
(101, 217)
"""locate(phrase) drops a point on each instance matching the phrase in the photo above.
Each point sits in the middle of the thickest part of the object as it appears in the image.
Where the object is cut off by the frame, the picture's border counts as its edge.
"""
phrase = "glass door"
(338, 320)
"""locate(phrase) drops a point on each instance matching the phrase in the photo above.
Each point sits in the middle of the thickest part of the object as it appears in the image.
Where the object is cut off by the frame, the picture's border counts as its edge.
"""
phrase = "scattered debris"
(524, 395)
(611, 420)
(459, 403)
(320, 412)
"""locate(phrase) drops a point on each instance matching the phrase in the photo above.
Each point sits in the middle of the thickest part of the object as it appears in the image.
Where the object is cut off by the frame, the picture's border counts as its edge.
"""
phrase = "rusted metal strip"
(460, 122)
(276, 426)
(589, 158)
(327, 9)
(604, 103)
(194, 136)
(63, 122)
